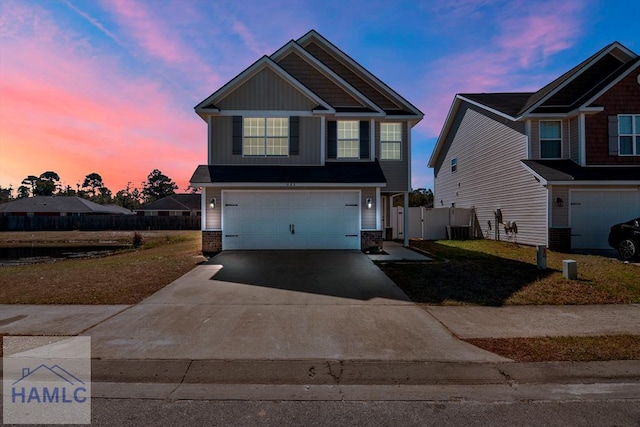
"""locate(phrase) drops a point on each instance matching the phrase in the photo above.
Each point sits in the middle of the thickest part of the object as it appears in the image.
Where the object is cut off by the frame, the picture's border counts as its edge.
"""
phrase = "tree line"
(157, 186)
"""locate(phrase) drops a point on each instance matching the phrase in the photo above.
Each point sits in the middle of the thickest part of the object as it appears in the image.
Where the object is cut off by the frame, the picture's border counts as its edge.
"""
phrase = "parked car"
(625, 238)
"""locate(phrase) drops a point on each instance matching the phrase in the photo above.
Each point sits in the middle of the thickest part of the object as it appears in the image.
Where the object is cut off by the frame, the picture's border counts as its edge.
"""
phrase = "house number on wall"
(291, 184)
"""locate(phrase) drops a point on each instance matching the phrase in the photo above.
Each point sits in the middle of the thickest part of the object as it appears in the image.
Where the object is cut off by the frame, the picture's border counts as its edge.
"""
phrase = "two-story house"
(305, 150)
(563, 163)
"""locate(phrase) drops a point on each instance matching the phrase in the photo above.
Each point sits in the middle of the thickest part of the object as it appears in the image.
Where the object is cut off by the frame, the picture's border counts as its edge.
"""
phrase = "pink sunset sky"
(109, 86)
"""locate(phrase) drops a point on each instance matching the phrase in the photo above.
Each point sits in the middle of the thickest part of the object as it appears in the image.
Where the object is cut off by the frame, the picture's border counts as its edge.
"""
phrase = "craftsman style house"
(563, 163)
(305, 150)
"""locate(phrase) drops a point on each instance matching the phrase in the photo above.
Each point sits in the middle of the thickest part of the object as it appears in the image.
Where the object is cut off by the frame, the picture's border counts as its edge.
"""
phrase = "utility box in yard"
(570, 269)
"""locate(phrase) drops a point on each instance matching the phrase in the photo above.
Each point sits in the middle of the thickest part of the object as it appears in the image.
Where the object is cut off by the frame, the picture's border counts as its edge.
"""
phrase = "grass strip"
(561, 349)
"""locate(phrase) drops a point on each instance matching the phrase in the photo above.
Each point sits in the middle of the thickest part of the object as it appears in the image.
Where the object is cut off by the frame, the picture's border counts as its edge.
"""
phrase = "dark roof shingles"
(330, 173)
(567, 170)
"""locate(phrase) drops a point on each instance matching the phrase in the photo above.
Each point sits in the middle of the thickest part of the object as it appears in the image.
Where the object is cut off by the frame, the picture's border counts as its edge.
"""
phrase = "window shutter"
(237, 135)
(294, 135)
(332, 139)
(613, 135)
(364, 139)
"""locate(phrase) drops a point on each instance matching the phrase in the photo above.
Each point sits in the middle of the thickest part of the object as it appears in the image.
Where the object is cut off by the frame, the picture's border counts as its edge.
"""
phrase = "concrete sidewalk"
(463, 321)
(394, 251)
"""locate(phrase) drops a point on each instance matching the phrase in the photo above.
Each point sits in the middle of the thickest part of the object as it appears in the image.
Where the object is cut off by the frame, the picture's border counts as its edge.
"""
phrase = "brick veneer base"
(211, 241)
(370, 239)
(560, 239)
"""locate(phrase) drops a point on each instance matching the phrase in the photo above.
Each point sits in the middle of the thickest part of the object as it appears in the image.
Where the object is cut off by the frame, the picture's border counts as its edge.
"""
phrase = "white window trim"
(266, 137)
(399, 142)
(357, 140)
(540, 139)
(635, 134)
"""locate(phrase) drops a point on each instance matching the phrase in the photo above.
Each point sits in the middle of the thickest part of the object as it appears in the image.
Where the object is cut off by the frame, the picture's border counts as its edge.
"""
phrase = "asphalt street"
(135, 412)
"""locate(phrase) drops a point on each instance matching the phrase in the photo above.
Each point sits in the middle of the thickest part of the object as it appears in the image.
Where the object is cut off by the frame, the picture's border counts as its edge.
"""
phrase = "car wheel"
(627, 248)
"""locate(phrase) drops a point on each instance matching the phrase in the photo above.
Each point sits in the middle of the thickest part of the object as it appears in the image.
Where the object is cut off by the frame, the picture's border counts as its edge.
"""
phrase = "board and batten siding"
(317, 82)
(490, 176)
(266, 91)
(222, 151)
(368, 215)
(213, 219)
(396, 171)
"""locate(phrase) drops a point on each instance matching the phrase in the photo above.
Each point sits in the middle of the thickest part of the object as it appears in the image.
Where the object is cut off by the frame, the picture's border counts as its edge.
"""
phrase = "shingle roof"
(505, 102)
(175, 202)
(567, 170)
(330, 173)
(329, 78)
(574, 87)
(537, 96)
(50, 204)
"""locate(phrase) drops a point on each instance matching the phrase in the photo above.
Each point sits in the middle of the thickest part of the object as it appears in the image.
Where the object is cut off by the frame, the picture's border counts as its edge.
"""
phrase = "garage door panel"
(594, 212)
(261, 220)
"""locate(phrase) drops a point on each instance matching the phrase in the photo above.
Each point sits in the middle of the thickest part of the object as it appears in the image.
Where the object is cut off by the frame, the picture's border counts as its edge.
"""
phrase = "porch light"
(369, 203)
(212, 203)
(559, 202)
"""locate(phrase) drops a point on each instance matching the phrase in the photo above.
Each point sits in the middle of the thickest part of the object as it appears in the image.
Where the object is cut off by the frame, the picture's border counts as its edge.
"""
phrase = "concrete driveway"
(281, 305)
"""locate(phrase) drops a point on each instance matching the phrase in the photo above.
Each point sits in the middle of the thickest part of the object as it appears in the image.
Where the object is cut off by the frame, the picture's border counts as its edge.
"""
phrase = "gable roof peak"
(616, 49)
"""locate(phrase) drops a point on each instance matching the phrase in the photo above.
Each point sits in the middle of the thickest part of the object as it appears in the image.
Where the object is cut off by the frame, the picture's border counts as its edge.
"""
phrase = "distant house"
(563, 163)
(58, 206)
(175, 205)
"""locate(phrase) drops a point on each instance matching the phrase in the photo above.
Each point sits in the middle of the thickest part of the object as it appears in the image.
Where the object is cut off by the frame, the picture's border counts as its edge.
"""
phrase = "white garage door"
(594, 212)
(291, 220)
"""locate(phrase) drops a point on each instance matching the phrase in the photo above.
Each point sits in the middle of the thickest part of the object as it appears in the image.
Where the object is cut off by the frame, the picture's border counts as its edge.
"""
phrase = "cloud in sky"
(512, 60)
(109, 86)
(73, 117)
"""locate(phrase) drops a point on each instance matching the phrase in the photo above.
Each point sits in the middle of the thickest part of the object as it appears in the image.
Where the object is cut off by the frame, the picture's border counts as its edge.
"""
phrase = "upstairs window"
(629, 134)
(348, 140)
(551, 139)
(265, 136)
(390, 141)
(454, 165)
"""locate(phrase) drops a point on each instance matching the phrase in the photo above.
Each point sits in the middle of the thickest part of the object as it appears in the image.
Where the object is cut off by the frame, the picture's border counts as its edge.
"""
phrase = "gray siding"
(317, 82)
(221, 145)
(396, 171)
(368, 215)
(574, 139)
(559, 215)
(266, 91)
(535, 138)
(490, 176)
(213, 216)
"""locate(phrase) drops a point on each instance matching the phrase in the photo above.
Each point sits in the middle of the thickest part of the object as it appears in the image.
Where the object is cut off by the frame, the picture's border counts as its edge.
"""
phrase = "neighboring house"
(174, 205)
(563, 163)
(58, 206)
(305, 150)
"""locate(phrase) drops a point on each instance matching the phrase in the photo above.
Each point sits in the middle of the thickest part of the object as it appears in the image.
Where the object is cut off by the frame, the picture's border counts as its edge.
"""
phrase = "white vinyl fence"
(433, 223)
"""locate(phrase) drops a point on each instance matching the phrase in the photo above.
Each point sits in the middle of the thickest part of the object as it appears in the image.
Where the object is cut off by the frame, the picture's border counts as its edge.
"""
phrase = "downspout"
(203, 207)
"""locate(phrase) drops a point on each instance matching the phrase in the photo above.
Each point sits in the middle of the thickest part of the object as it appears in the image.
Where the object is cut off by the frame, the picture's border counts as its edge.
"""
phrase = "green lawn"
(486, 272)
